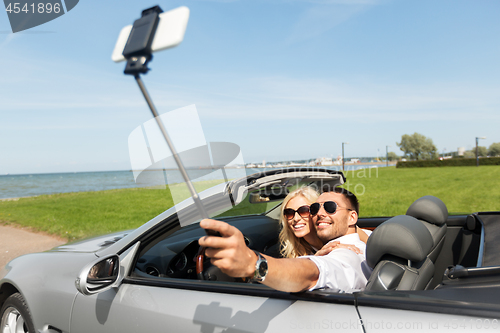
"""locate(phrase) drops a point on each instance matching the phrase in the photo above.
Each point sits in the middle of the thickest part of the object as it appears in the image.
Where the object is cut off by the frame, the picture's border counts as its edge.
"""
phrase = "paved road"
(15, 242)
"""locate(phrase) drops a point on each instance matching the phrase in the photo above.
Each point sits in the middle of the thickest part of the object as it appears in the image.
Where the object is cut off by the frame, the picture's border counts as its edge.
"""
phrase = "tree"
(470, 154)
(417, 147)
(494, 149)
(482, 152)
(391, 156)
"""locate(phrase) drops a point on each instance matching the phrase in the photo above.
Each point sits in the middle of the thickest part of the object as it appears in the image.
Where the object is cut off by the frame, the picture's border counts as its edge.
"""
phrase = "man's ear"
(353, 218)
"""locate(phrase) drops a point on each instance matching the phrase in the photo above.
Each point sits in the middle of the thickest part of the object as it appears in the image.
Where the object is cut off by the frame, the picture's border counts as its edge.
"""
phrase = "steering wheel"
(200, 257)
(212, 273)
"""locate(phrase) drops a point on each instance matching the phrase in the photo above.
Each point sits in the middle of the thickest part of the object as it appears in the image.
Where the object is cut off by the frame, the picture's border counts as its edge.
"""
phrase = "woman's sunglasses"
(330, 207)
(290, 213)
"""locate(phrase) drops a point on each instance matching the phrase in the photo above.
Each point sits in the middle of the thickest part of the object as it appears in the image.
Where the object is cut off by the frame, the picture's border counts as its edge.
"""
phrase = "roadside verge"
(15, 242)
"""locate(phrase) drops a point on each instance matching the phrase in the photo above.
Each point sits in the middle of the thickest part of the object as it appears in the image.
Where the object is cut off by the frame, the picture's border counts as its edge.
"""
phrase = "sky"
(283, 79)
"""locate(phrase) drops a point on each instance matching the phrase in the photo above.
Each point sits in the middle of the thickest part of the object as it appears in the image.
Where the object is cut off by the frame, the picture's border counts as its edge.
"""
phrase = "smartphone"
(170, 32)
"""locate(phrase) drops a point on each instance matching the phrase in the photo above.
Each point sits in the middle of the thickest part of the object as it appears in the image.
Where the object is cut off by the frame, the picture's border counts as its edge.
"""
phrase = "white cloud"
(324, 16)
(7, 40)
(234, 97)
(367, 101)
(340, 2)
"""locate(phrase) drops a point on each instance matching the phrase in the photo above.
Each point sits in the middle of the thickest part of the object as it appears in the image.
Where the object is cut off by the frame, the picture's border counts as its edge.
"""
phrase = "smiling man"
(334, 215)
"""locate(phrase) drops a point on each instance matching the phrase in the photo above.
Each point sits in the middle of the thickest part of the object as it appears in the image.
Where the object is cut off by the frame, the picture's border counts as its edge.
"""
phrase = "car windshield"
(255, 194)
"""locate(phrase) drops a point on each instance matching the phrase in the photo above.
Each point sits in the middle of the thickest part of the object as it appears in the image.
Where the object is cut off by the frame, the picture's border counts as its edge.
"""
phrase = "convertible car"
(431, 272)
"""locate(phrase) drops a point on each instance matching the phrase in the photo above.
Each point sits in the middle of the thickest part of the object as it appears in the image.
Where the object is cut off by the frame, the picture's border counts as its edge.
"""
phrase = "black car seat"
(433, 213)
(469, 242)
(398, 251)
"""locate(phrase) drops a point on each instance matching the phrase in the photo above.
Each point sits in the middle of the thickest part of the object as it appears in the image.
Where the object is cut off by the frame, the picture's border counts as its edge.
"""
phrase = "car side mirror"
(267, 196)
(99, 275)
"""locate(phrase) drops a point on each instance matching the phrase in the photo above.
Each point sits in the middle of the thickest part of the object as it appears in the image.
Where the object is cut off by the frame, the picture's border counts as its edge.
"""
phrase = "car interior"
(422, 250)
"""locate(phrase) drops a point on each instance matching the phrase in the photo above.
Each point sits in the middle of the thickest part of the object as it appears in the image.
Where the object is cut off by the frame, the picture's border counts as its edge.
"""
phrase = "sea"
(27, 185)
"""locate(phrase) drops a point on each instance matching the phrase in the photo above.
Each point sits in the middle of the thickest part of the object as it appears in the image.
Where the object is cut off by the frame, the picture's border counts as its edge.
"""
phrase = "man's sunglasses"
(290, 213)
(330, 207)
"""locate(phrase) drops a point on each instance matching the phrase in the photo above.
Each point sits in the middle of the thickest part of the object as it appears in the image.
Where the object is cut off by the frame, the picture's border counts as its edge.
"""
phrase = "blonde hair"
(291, 246)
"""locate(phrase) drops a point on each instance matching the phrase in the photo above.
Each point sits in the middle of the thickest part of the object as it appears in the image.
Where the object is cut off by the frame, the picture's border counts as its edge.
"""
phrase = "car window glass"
(245, 207)
(174, 256)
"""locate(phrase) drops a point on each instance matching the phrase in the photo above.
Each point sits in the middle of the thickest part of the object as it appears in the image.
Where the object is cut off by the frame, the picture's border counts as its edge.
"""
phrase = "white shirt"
(343, 270)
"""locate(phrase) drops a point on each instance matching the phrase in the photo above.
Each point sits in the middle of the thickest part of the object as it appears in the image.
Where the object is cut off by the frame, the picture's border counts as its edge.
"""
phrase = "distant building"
(324, 161)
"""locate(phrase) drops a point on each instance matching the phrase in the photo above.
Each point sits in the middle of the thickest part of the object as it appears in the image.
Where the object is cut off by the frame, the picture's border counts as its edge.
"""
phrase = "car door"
(465, 308)
(174, 300)
(176, 305)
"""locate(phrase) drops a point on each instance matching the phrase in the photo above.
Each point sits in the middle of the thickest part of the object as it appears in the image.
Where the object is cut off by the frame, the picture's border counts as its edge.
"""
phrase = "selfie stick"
(137, 52)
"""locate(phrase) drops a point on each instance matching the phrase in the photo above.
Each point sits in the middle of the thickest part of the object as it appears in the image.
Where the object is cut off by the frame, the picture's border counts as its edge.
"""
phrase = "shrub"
(448, 162)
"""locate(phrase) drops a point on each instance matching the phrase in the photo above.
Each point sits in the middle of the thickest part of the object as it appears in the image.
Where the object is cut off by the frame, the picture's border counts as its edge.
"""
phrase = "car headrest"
(402, 236)
(429, 209)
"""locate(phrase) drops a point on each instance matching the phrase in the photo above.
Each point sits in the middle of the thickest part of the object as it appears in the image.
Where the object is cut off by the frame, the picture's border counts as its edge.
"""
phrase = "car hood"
(92, 244)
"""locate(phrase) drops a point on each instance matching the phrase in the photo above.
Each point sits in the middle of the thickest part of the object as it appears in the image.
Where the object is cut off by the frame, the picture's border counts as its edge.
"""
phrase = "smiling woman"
(297, 235)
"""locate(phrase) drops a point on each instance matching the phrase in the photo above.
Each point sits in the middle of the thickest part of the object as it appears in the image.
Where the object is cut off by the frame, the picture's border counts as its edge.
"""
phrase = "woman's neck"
(313, 240)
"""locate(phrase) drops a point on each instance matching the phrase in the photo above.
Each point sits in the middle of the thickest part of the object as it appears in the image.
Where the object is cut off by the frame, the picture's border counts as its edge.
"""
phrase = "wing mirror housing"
(106, 272)
(98, 276)
(268, 195)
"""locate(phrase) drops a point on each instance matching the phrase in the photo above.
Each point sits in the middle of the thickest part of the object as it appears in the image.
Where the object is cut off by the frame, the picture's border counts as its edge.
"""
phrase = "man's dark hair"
(347, 194)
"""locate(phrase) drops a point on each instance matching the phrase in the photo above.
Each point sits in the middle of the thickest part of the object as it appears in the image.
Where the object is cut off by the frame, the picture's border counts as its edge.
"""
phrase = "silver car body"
(137, 302)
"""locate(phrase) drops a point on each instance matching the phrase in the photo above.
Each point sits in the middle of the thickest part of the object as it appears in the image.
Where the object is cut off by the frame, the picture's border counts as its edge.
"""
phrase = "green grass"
(82, 214)
(389, 191)
(381, 192)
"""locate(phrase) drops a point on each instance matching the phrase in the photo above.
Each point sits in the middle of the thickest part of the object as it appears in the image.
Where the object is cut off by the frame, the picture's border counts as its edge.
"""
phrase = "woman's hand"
(337, 245)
